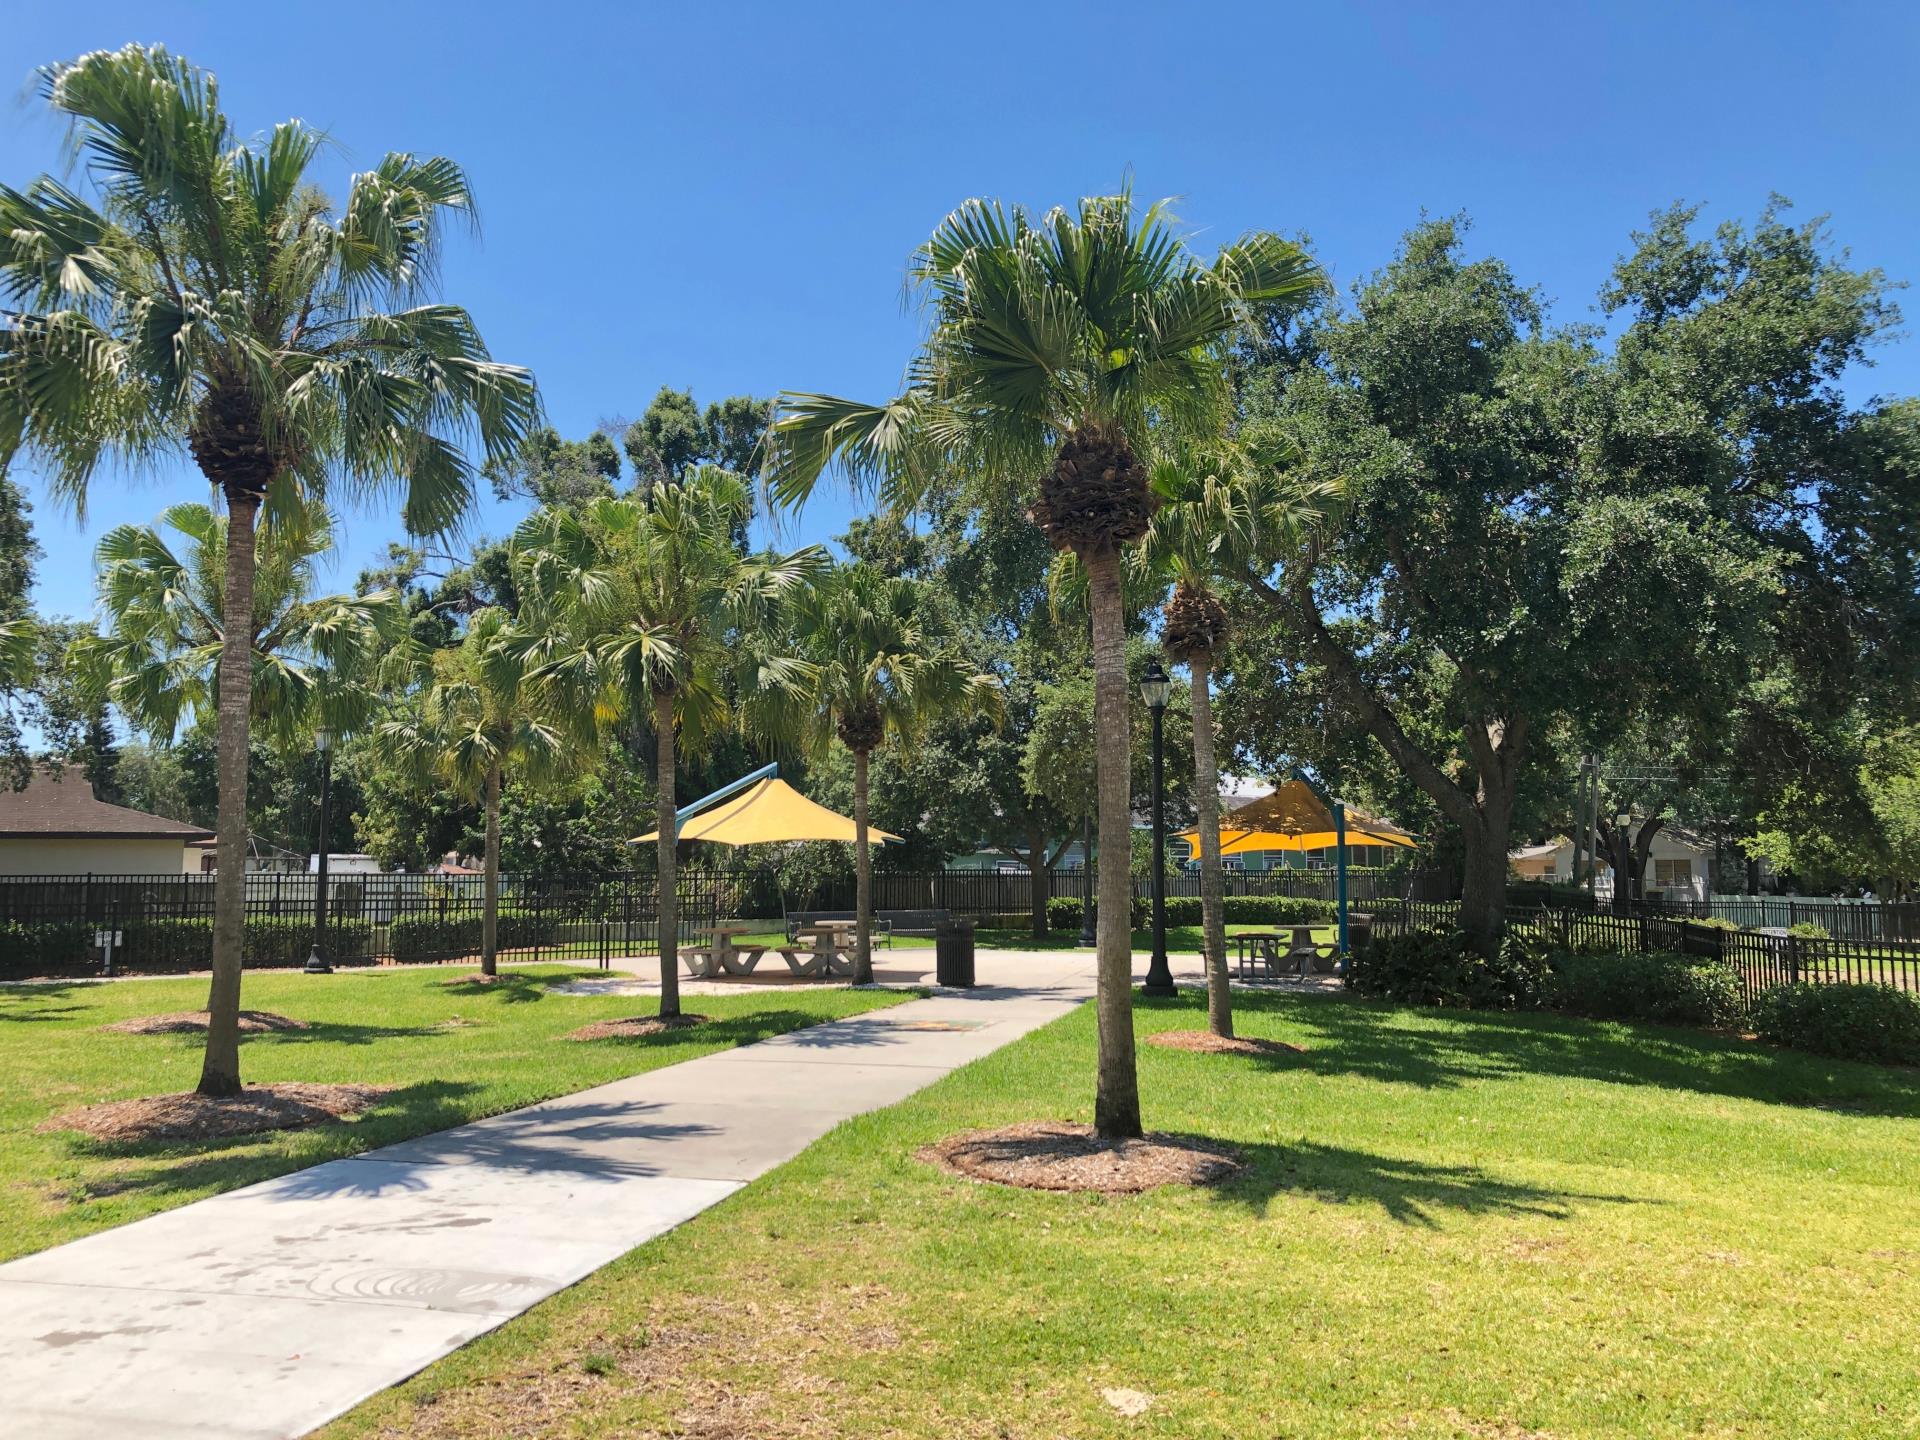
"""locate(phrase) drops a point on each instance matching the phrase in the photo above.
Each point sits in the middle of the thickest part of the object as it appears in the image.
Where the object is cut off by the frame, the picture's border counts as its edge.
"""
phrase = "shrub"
(1064, 911)
(415, 938)
(1665, 988)
(271, 942)
(1808, 930)
(1711, 922)
(30, 948)
(1440, 967)
(1848, 1020)
(52, 947)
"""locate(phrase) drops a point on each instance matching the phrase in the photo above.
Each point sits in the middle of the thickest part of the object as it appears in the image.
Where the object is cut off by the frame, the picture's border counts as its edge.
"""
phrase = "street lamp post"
(1153, 690)
(317, 957)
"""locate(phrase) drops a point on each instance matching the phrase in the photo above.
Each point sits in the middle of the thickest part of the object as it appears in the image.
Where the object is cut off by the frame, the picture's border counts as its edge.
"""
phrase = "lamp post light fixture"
(1153, 690)
(317, 957)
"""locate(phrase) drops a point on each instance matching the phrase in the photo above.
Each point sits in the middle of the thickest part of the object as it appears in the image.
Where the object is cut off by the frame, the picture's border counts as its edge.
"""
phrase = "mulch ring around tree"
(188, 1116)
(636, 1028)
(1205, 1042)
(180, 1022)
(1046, 1155)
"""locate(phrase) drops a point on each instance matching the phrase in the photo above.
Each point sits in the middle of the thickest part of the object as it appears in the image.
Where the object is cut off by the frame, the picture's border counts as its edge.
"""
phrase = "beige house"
(56, 827)
(1679, 865)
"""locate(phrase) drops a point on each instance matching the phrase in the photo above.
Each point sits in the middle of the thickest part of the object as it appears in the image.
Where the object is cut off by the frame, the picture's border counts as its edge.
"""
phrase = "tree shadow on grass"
(722, 1032)
(1411, 1192)
(29, 1006)
(1347, 1036)
(510, 987)
(181, 1167)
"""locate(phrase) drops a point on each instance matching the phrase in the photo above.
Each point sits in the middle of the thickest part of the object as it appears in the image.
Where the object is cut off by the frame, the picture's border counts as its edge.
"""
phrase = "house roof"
(1535, 852)
(62, 807)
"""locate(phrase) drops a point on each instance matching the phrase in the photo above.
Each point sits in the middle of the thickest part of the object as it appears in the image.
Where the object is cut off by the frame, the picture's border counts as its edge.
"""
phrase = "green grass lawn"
(456, 1052)
(1454, 1225)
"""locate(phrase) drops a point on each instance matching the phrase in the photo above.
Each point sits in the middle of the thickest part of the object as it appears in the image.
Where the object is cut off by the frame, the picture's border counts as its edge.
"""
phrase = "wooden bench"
(886, 923)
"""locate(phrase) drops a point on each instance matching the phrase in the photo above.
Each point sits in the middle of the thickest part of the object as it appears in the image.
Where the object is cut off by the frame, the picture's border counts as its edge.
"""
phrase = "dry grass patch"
(190, 1116)
(637, 1028)
(1043, 1155)
(695, 1368)
(181, 1022)
(1205, 1042)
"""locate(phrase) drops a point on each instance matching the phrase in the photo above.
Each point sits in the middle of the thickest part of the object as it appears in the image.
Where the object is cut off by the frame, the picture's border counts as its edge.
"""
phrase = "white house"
(56, 827)
(1679, 865)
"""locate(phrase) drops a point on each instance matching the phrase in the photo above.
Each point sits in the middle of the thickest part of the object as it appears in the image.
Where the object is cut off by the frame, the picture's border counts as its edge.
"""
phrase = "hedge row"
(1851, 1021)
(1430, 967)
(1063, 911)
(429, 937)
(58, 947)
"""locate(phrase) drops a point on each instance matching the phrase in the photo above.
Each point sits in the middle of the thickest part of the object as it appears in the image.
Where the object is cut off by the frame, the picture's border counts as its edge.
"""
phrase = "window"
(1673, 874)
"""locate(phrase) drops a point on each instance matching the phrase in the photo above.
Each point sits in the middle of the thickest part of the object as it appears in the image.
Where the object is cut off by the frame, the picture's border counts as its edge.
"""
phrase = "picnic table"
(1260, 950)
(829, 951)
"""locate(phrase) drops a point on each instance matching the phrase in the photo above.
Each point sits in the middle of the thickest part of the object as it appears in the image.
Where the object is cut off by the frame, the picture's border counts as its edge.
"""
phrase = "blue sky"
(723, 197)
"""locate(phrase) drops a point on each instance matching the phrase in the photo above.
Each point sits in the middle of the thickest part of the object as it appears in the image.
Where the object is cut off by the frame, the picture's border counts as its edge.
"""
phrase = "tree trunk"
(490, 884)
(1483, 891)
(220, 1070)
(1116, 1109)
(862, 877)
(1039, 879)
(1213, 880)
(666, 856)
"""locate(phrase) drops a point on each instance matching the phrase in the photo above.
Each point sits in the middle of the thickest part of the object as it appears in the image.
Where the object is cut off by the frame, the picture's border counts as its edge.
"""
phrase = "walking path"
(266, 1311)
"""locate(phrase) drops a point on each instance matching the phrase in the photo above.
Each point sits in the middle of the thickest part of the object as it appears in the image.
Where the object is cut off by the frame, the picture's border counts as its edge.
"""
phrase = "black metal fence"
(1005, 898)
(51, 925)
(1865, 943)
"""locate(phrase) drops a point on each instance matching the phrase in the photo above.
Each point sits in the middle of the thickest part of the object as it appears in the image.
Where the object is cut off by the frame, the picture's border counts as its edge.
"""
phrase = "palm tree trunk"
(1213, 883)
(220, 1070)
(862, 877)
(490, 892)
(667, 859)
(1116, 1106)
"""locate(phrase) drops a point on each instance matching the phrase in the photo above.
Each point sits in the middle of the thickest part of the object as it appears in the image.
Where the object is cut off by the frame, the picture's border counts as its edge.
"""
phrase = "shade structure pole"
(765, 772)
(1340, 851)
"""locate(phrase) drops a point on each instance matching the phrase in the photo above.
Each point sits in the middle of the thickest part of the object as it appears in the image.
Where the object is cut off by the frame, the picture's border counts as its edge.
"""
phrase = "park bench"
(886, 923)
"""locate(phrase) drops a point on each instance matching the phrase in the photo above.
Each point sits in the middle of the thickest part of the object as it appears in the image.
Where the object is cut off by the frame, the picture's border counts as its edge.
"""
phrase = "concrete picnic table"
(719, 956)
(832, 948)
(1248, 942)
(829, 953)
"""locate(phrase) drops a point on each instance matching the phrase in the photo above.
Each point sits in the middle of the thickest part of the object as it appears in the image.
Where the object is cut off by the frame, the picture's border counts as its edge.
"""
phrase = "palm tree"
(875, 670)
(1225, 505)
(641, 605)
(468, 726)
(159, 656)
(1062, 352)
(208, 297)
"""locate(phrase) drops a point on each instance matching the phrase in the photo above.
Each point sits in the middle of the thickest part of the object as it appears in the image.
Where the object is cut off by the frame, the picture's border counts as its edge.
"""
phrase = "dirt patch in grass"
(180, 1022)
(187, 1116)
(1205, 1042)
(738, 1368)
(637, 1028)
(1043, 1155)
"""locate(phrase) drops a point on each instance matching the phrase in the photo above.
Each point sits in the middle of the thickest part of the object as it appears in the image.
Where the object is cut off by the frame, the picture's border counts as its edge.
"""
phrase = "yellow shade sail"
(1294, 818)
(767, 813)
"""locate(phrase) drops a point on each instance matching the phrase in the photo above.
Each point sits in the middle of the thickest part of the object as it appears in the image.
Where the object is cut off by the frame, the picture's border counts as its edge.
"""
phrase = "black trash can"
(953, 952)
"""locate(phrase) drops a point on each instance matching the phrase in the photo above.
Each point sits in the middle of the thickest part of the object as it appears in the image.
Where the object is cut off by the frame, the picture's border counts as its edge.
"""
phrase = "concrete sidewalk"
(266, 1311)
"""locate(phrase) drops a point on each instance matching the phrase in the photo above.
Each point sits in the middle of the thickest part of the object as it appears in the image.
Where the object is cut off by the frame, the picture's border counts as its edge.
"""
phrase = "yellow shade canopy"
(767, 813)
(1294, 818)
